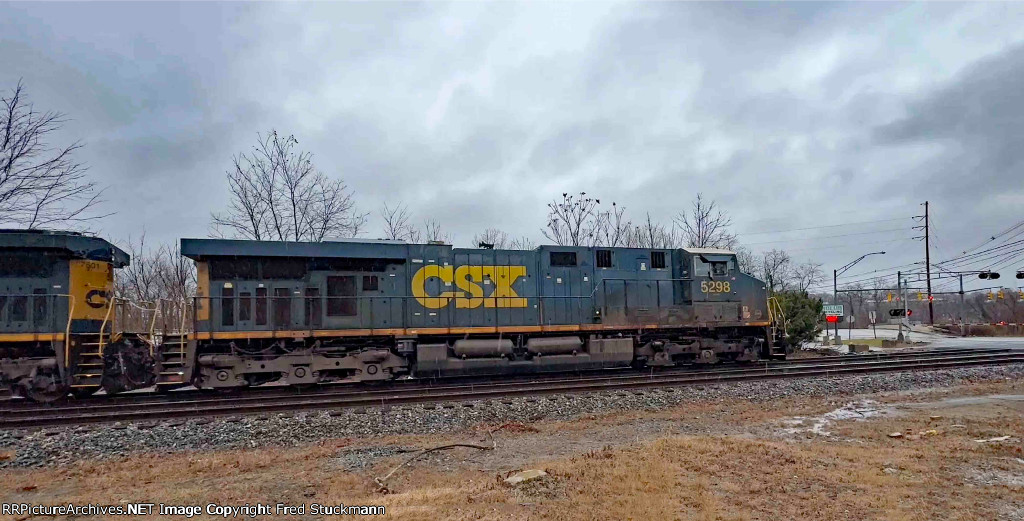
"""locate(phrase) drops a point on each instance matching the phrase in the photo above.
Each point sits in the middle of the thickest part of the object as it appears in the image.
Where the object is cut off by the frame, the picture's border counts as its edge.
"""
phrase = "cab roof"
(75, 245)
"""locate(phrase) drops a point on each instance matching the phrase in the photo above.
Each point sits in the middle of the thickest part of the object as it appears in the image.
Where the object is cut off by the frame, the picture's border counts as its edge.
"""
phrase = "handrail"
(181, 330)
(67, 331)
(103, 326)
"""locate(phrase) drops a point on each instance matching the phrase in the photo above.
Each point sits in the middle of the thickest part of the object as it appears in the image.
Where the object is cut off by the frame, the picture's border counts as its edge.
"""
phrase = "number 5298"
(715, 286)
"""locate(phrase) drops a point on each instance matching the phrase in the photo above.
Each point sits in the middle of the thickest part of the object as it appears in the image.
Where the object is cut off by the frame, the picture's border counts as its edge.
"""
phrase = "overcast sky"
(789, 115)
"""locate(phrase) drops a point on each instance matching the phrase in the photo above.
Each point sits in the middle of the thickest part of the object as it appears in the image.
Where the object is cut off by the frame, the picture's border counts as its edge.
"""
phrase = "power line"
(826, 237)
(823, 226)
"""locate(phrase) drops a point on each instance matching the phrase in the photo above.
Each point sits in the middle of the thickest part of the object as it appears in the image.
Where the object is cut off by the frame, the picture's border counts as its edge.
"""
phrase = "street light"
(835, 278)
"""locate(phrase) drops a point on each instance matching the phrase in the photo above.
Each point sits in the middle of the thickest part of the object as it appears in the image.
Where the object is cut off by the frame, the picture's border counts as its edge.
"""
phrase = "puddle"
(818, 425)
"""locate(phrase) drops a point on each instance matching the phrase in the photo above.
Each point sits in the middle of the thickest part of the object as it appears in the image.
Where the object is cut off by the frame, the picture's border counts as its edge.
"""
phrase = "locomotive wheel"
(45, 388)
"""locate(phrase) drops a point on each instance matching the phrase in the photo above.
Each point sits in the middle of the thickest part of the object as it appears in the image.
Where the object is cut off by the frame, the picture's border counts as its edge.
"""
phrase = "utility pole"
(835, 299)
(899, 294)
(962, 331)
(927, 261)
(905, 316)
(928, 267)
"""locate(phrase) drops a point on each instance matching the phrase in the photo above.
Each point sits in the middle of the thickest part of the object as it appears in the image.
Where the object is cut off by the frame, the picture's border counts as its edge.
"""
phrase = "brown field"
(716, 461)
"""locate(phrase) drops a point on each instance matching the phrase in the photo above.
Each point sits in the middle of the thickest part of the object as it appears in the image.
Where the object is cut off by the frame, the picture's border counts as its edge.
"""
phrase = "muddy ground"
(893, 456)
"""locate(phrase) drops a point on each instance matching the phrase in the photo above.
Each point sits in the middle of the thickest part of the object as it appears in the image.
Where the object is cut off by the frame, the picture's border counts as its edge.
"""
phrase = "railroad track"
(269, 392)
(193, 405)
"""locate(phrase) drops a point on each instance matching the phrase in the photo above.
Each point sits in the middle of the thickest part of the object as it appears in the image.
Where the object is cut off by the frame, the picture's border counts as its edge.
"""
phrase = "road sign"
(871, 317)
(833, 310)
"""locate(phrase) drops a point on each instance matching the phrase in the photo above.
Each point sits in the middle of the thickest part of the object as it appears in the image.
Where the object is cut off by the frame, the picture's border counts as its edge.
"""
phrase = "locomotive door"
(567, 299)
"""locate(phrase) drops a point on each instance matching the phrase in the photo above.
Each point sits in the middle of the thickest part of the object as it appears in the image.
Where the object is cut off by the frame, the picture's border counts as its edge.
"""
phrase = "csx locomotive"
(361, 310)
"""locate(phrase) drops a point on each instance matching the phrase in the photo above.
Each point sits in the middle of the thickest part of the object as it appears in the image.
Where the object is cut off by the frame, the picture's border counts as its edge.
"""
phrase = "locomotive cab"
(56, 312)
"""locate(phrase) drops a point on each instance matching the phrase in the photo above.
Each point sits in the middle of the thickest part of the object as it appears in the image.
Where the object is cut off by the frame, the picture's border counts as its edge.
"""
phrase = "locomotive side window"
(719, 269)
(604, 258)
(261, 306)
(657, 260)
(370, 283)
(705, 268)
(244, 306)
(340, 291)
(563, 258)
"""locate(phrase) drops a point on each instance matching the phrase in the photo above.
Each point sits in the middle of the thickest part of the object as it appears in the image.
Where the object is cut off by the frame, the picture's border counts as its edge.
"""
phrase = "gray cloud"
(791, 115)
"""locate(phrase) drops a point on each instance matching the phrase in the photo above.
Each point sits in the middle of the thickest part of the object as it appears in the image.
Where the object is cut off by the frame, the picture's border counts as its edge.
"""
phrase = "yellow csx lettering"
(468, 279)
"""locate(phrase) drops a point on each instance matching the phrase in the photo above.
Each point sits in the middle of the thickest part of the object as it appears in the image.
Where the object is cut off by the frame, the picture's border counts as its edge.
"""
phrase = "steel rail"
(385, 397)
(102, 402)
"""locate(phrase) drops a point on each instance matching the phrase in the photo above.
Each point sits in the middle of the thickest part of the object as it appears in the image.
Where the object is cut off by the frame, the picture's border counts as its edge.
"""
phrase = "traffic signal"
(1000, 294)
(1020, 274)
(931, 298)
(920, 296)
(910, 312)
(990, 275)
(990, 295)
(899, 312)
(888, 297)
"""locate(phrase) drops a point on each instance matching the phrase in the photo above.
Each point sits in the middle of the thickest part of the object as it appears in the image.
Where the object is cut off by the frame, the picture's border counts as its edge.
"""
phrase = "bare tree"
(432, 232)
(574, 221)
(706, 226)
(398, 223)
(153, 274)
(613, 228)
(775, 270)
(746, 260)
(650, 234)
(806, 276)
(278, 194)
(493, 236)
(522, 243)
(39, 184)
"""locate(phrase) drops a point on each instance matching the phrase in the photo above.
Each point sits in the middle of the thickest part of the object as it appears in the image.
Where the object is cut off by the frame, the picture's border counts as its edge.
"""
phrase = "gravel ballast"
(58, 446)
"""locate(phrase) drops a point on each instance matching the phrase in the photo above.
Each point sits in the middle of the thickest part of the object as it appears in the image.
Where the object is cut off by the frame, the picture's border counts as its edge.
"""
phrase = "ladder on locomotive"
(173, 368)
(778, 328)
(88, 360)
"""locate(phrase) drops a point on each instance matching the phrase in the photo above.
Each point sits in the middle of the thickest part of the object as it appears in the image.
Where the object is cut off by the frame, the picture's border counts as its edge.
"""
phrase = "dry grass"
(749, 471)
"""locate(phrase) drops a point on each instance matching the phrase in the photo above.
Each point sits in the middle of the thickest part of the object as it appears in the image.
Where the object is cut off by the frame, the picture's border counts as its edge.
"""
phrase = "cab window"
(711, 268)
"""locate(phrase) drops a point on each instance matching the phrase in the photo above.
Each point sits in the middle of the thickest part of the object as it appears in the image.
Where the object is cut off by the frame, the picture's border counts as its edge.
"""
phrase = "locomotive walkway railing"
(280, 312)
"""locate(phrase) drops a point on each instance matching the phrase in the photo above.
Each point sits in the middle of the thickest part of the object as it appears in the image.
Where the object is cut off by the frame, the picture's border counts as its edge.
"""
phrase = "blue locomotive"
(307, 313)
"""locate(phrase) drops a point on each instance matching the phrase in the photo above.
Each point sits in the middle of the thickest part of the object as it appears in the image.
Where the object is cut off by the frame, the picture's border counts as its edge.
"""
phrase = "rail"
(191, 404)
